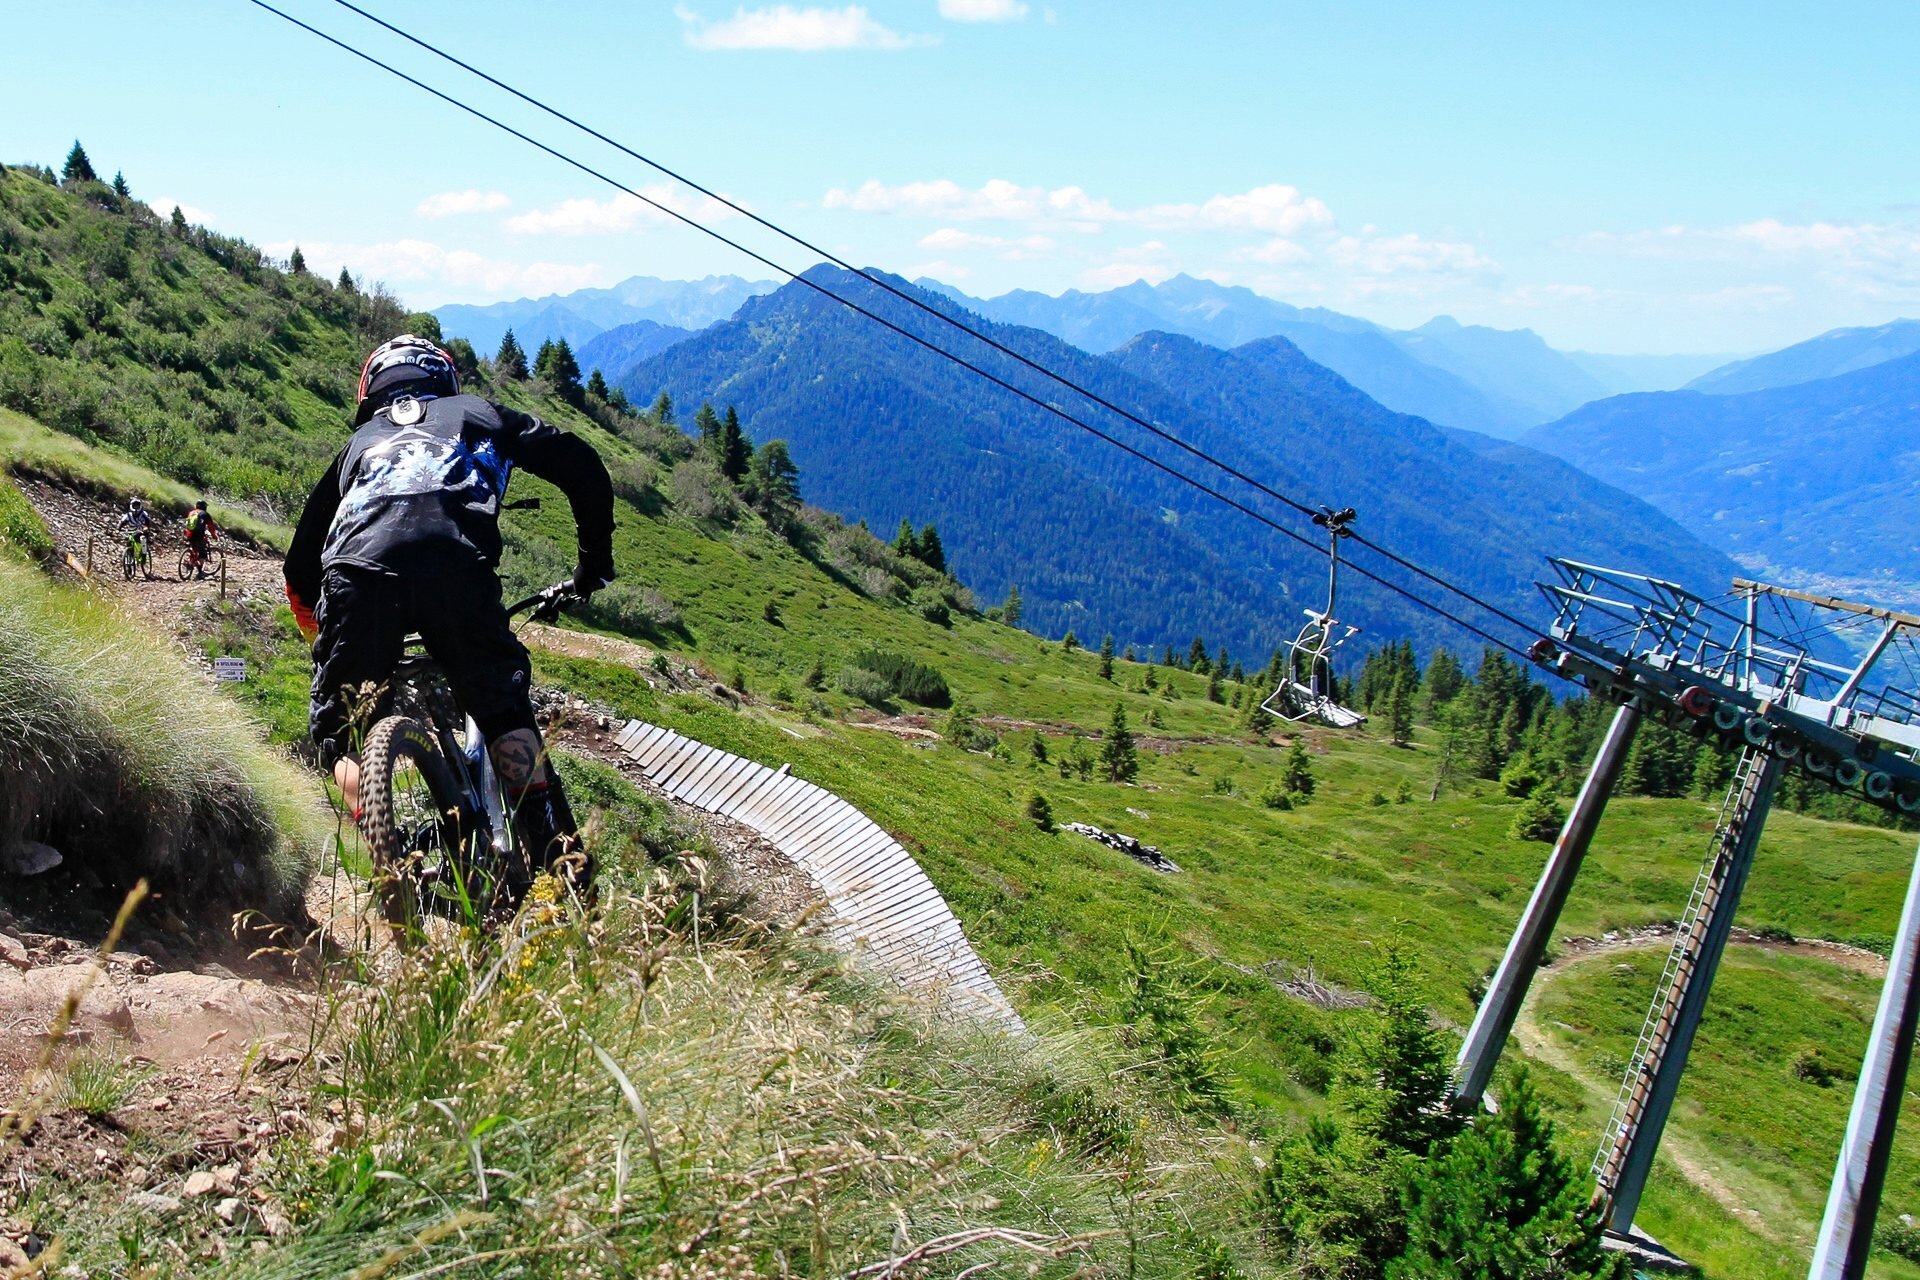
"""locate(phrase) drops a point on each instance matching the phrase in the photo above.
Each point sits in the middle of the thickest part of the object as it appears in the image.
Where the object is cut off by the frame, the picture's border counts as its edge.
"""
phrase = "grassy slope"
(1316, 885)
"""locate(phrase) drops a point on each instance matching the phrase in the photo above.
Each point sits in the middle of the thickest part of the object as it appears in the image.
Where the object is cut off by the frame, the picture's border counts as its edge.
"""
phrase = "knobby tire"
(395, 741)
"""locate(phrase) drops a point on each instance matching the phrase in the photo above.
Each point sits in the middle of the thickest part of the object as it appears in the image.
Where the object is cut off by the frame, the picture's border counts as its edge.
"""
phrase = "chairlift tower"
(1811, 695)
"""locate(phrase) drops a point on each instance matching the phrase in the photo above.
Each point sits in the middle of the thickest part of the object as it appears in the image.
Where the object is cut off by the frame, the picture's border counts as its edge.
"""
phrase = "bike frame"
(472, 767)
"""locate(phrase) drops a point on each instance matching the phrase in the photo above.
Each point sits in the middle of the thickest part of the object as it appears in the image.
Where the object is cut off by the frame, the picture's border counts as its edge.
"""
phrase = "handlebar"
(546, 605)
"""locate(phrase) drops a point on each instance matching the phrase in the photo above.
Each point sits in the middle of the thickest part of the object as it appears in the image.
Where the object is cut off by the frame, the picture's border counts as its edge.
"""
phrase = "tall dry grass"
(630, 1094)
(114, 752)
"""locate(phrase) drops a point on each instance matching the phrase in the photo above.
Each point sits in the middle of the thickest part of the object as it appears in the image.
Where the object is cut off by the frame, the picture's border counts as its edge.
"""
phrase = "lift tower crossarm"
(1906, 620)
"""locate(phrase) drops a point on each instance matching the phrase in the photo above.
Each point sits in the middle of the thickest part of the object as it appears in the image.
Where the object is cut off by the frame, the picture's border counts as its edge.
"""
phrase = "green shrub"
(905, 678)
(1274, 796)
(1899, 1237)
(864, 685)
(1040, 811)
(1539, 817)
(931, 605)
(20, 525)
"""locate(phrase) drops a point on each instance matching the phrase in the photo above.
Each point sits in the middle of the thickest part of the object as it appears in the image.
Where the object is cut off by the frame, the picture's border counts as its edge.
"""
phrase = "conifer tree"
(297, 264)
(1400, 711)
(618, 399)
(1167, 659)
(906, 541)
(706, 427)
(1503, 1204)
(663, 410)
(1069, 642)
(557, 365)
(1010, 611)
(511, 361)
(1106, 658)
(345, 283)
(120, 187)
(178, 222)
(597, 385)
(1213, 686)
(78, 168)
(773, 481)
(1118, 758)
(1296, 771)
(932, 554)
(736, 451)
(1197, 660)
(1040, 811)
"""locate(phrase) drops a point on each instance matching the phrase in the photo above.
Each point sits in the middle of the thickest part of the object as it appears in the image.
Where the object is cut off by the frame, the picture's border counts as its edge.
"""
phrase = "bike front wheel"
(418, 824)
(188, 563)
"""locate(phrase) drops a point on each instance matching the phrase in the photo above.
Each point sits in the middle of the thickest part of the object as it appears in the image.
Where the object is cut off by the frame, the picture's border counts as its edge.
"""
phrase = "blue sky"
(1621, 177)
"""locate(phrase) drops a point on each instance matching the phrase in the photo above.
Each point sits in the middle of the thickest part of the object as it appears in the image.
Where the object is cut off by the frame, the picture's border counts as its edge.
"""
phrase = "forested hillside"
(1099, 542)
(1811, 482)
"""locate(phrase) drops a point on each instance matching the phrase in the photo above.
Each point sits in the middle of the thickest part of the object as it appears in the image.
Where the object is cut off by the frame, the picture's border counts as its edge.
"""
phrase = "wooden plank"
(702, 770)
(724, 779)
(745, 781)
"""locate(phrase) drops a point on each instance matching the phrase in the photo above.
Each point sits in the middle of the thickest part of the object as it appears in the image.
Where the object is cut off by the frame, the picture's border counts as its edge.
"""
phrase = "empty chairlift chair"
(1306, 685)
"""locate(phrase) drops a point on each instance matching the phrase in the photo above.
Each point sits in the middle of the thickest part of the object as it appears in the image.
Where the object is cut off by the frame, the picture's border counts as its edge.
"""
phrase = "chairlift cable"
(930, 346)
(920, 304)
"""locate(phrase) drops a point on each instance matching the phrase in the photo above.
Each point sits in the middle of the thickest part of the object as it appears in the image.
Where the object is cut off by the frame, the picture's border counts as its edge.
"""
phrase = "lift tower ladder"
(1653, 1072)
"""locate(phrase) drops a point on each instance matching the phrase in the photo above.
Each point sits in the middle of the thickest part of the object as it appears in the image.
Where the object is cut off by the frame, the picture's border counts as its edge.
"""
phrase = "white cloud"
(621, 213)
(982, 10)
(1277, 208)
(1278, 252)
(449, 203)
(782, 26)
(1408, 254)
(1872, 259)
(952, 239)
(165, 205)
(421, 262)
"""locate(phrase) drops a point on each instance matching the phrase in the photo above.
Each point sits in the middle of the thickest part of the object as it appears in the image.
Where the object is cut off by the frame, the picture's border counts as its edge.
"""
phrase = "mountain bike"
(433, 813)
(197, 564)
(137, 555)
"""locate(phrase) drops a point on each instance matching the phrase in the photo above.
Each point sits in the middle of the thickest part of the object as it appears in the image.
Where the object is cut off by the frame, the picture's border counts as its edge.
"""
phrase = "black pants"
(365, 617)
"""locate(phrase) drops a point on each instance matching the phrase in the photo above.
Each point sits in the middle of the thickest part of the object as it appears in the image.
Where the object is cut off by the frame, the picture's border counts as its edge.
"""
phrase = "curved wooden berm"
(886, 909)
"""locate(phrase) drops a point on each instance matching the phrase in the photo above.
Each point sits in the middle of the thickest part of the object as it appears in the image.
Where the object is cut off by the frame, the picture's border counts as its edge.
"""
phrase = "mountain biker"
(200, 529)
(401, 536)
(138, 522)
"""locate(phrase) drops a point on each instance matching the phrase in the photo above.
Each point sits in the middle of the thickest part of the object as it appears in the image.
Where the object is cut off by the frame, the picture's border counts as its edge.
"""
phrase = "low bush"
(20, 525)
(866, 686)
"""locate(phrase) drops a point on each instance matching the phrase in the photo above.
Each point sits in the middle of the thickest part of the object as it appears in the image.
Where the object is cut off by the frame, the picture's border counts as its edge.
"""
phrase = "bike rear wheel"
(416, 821)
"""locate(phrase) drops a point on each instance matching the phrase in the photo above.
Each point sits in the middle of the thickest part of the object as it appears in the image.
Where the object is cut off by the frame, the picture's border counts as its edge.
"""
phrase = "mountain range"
(1098, 541)
(1833, 353)
(584, 314)
(1814, 482)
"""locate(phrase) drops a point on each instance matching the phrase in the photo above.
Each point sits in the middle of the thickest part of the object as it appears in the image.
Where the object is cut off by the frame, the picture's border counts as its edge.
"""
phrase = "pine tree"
(597, 385)
(120, 187)
(511, 361)
(558, 367)
(663, 410)
(706, 428)
(1040, 811)
(345, 283)
(297, 264)
(932, 554)
(1038, 747)
(906, 542)
(78, 167)
(1167, 659)
(1296, 771)
(1400, 711)
(1710, 772)
(617, 399)
(178, 222)
(1539, 817)
(1503, 1204)
(1392, 1085)
(1105, 669)
(1213, 686)
(1010, 611)
(773, 481)
(736, 451)
(1117, 755)
(1197, 657)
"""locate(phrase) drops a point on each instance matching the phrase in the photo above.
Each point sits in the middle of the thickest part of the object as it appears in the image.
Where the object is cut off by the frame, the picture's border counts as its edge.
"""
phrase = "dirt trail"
(1695, 1163)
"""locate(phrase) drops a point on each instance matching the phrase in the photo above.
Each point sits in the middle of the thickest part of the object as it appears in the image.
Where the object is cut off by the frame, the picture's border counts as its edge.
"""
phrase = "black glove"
(592, 573)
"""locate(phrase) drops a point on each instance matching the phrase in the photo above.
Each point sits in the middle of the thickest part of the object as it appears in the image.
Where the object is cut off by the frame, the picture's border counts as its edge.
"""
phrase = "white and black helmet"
(417, 357)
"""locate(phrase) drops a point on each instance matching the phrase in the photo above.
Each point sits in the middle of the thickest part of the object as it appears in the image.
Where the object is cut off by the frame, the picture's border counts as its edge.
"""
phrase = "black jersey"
(418, 488)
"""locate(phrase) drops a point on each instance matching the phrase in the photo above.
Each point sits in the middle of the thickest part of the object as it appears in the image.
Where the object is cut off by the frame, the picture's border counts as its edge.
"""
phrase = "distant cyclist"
(138, 523)
(402, 536)
(200, 531)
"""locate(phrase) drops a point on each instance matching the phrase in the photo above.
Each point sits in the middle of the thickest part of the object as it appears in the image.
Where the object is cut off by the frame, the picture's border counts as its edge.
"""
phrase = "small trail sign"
(230, 670)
